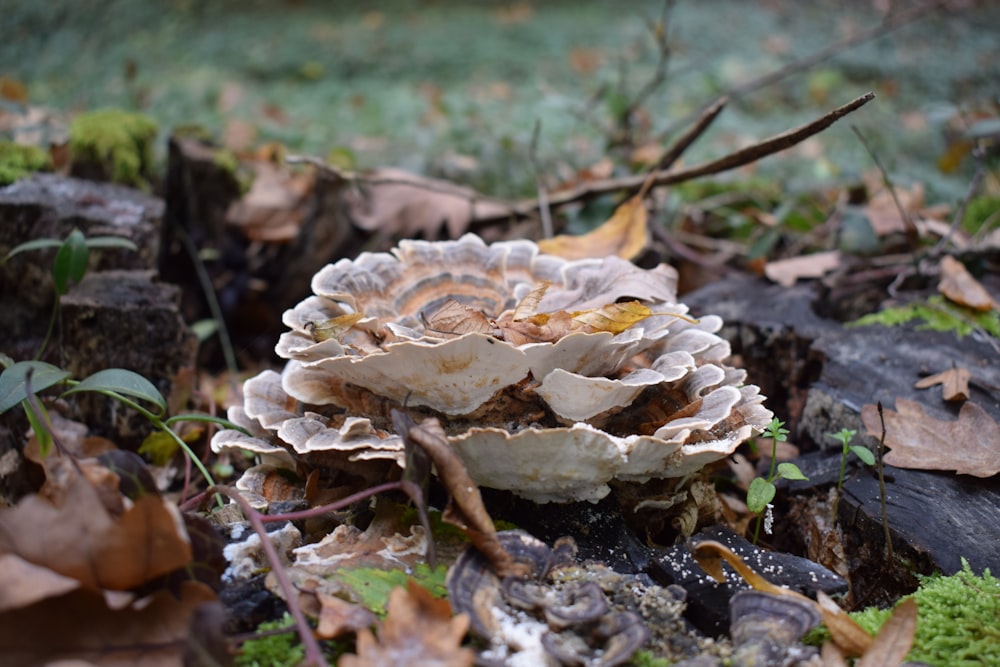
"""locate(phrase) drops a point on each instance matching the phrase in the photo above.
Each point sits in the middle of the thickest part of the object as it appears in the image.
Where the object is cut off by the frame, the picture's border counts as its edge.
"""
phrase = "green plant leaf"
(760, 493)
(122, 381)
(111, 242)
(790, 471)
(71, 261)
(33, 244)
(13, 388)
(864, 454)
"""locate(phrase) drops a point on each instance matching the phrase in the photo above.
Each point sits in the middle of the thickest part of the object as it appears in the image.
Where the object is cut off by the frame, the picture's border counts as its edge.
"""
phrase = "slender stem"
(48, 332)
(840, 480)
(314, 654)
(881, 485)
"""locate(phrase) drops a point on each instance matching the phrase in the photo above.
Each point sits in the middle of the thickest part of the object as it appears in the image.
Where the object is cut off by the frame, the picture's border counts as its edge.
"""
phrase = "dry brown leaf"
(959, 286)
(894, 640)
(831, 656)
(465, 508)
(455, 319)
(80, 626)
(418, 630)
(954, 384)
(80, 539)
(23, 583)
(968, 445)
(339, 617)
(624, 235)
(398, 203)
(274, 207)
(786, 271)
(849, 637)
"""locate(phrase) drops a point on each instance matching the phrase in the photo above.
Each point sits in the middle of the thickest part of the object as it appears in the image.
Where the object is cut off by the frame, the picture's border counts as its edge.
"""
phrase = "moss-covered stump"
(51, 206)
(123, 319)
(113, 145)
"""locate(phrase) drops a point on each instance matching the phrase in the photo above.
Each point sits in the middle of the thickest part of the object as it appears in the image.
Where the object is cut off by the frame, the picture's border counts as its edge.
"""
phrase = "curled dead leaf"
(959, 286)
(624, 235)
(894, 640)
(465, 508)
(847, 635)
(954, 384)
(418, 630)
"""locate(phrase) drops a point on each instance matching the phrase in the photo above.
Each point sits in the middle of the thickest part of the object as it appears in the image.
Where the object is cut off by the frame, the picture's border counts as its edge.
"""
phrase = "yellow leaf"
(334, 327)
(615, 317)
(624, 234)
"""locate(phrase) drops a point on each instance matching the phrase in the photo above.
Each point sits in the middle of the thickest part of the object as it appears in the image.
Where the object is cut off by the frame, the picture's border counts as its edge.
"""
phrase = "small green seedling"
(844, 437)
(69, 266)
(762, 491)
(19, 382)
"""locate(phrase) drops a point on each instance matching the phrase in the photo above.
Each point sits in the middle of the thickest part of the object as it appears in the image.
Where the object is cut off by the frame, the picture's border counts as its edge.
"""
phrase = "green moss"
(956, 620)
(119, 142)
(373, 585)
(937, 314)
(980, 211)
(280, 650)
(17, 161)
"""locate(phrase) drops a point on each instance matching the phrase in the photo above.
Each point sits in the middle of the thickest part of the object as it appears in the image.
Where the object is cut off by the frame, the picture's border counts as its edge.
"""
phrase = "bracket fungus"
(551, 377)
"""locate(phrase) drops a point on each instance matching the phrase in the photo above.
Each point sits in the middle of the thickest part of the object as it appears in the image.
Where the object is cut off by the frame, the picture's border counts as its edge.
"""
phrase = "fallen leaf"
(397, 203)
(959, 286)
(954, 384)
(624, 235)
(614, 317)
(894, 640)
(917, 440)
(454, 319)
(465, 507)
(786, 271)
(334, 327)
(79, 626)
(83, 541)
(849, 637)
(276, 204)
(418, 630)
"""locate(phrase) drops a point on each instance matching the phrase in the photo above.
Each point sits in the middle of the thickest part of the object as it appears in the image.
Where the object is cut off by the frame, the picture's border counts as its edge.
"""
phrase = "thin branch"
(681, 144)
(977, 180)
(911, 229)
(775, 144)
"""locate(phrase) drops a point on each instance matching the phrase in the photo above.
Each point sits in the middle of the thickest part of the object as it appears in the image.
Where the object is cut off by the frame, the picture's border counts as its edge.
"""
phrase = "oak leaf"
(624, 235)
(968, 445)
(419, 630)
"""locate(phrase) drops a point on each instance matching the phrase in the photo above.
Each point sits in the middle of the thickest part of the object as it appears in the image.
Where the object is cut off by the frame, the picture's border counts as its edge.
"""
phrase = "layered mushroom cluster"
(551, 377)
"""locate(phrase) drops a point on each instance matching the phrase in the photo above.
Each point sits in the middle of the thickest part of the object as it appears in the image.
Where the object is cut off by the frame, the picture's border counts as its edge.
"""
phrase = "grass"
(419, 84)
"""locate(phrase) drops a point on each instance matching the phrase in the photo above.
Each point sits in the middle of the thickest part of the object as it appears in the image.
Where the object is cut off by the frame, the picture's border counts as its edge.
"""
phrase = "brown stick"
(676, 149)
(774, 144)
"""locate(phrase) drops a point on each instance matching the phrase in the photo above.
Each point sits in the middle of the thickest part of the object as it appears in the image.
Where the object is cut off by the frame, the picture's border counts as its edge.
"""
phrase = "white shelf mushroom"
(554, 419)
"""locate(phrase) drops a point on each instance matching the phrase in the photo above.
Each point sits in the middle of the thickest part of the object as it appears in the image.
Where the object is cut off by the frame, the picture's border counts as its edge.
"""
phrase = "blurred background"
(487, 93)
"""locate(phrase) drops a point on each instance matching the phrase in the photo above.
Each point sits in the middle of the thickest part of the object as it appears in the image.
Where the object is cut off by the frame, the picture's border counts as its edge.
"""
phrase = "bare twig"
(911, 229)
(881, 484)
(681, 144)
(741, 157)
(543, 201)
(977, 180)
